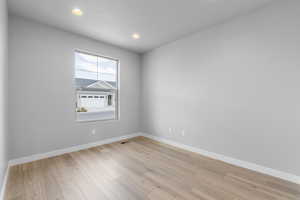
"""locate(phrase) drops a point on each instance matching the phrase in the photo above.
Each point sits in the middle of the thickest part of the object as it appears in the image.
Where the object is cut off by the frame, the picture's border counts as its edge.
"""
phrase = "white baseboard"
(4, 184)
(68, 150)
(233, 161)
(258, 168)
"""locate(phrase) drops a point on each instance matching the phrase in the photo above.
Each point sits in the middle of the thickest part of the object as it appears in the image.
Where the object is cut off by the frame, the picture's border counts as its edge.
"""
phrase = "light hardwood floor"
(141, 169)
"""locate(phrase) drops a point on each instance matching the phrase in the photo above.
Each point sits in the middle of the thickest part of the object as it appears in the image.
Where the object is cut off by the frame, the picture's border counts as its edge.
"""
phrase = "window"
(96, 83)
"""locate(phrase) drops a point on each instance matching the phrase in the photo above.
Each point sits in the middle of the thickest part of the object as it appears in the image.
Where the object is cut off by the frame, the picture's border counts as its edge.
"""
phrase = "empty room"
(149, 100)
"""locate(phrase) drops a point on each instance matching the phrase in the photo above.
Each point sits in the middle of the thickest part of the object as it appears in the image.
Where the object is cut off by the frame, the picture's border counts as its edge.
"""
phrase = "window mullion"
(98, 68)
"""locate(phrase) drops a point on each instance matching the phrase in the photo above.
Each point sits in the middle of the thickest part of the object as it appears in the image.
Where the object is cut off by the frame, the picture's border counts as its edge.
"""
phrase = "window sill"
(95, 116)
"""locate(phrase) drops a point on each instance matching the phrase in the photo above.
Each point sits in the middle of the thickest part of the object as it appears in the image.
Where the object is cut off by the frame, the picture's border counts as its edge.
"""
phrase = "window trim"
(118, 107)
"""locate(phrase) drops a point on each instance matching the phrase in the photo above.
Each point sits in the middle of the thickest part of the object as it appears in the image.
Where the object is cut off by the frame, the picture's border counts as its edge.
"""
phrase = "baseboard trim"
(244, 164)
(240, 163)
(4, 184)
(69, 150)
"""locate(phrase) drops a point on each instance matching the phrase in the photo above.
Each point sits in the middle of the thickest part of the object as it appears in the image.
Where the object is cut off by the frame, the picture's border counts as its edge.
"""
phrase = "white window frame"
(117, 99)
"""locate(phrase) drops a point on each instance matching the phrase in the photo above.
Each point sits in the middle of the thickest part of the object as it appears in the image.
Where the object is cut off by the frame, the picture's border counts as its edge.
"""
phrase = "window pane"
(86, 66)
(96, 87)
(108, 69)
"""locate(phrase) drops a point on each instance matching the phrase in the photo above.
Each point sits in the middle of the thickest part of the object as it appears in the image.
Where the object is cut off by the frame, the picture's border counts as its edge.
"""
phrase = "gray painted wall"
(41, 93)
(234, 88)
(3, 91)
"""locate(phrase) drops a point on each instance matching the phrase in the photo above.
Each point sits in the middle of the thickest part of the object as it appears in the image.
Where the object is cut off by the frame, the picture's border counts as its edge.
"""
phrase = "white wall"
(234, 88)
(3, 91)
(41, 93)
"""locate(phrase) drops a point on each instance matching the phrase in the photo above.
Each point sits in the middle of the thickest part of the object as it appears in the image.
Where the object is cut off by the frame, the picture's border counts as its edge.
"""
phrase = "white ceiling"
(113, 21)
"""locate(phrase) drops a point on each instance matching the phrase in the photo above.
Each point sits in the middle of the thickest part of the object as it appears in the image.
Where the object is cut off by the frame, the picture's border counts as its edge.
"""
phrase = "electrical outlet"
(93, 131)
(170, 130)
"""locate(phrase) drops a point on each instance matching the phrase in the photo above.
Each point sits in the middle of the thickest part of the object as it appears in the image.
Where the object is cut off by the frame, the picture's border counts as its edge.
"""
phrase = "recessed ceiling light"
(136, 36)
(77, 12)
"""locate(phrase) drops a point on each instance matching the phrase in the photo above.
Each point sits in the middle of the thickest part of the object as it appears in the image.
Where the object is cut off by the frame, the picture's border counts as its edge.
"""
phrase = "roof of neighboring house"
(93, 85)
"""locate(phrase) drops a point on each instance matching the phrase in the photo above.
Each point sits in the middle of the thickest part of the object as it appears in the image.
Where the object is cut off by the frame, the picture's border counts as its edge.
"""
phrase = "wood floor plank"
(15, 188)
(141, 169)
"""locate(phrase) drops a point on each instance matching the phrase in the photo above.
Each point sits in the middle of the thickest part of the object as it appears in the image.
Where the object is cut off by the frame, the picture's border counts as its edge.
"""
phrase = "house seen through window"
(96, 81)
